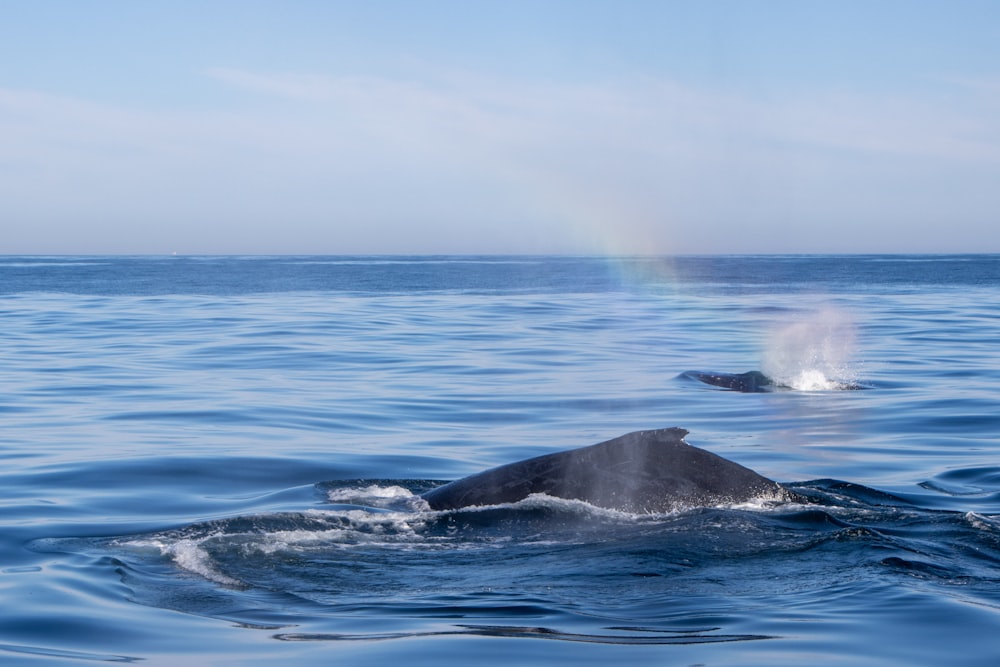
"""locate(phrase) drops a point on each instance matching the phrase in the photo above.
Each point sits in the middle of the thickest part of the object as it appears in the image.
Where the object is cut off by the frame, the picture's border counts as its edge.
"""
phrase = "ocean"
(218, 460)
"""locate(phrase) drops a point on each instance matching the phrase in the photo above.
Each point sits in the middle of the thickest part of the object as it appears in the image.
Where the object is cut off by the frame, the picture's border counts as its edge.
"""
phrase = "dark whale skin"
(644, 472)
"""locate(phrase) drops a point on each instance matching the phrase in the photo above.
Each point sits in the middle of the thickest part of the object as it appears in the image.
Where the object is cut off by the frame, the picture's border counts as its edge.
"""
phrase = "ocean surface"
(218, 460)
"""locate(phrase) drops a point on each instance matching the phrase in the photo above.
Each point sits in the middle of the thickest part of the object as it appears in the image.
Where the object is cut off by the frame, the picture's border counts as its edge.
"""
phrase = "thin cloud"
(452, 161)
(644, 110)
(287, 85)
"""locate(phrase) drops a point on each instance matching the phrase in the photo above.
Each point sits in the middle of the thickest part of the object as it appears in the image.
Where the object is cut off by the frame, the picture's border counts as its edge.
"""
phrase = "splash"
(814, 354)
(188, 554)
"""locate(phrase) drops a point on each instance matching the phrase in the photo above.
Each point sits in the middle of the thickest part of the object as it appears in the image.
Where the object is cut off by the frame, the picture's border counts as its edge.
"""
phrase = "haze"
(503, 127)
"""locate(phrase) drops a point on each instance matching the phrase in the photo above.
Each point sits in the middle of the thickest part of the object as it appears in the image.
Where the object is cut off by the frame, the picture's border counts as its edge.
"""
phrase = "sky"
(467, 127)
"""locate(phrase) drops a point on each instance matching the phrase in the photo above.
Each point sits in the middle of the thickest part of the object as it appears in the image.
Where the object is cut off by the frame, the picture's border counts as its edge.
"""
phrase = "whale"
(753, 382)
(749, 382)
(643, 472)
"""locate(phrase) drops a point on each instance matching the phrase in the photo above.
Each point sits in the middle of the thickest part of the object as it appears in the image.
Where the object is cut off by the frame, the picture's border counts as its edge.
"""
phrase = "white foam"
(193, 549)
(373, 491)
(393, 497)
(981, 522)
(545, 501)
(762, 503)
(765, 501)
(348, 529)
(189, 555)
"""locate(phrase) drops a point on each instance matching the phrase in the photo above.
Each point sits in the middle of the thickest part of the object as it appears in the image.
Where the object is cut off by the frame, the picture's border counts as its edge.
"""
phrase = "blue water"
(214, 460)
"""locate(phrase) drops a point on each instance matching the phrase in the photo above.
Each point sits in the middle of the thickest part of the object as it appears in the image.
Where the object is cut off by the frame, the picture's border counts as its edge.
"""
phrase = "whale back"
(642, 472)
(749, 382)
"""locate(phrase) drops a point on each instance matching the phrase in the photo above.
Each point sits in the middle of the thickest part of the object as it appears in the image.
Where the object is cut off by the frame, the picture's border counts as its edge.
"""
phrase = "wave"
(546, 567)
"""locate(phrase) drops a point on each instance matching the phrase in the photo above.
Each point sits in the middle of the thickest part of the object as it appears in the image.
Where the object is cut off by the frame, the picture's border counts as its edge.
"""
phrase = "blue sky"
(499, 127)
